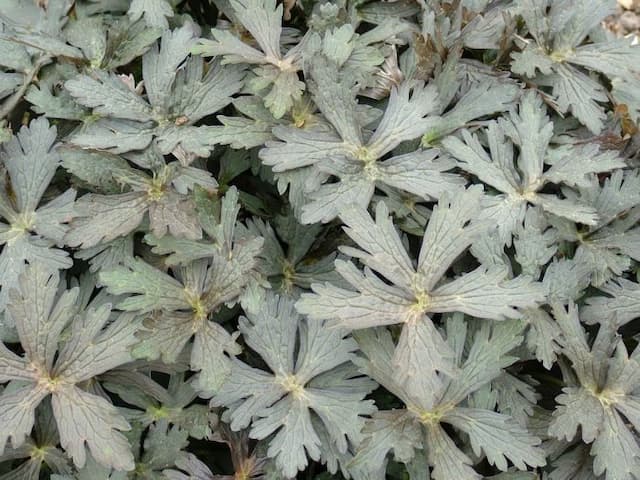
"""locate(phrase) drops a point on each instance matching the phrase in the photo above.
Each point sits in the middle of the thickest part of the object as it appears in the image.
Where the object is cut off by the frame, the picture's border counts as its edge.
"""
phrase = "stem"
(10, 103)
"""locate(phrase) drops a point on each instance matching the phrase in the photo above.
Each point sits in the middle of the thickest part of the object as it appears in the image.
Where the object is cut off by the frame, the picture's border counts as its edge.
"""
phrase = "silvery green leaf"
(212, 347)
(286, 88)
(615, 451)
(231, 47)
(31, 160)
(482, 99)
(531, 130)
(355, 310)
(382, 248)
(487, 293)
(295, 437)
(90, 350)
(126, 41)
(404, 118)
(530, 59)
(89, 35)
(17, 409)
(153, 289)
(86, 418)
(108, 95)
(388, 431)
(196, 95)
(98, 169)
(574, 166)
(160, 63)
(612, 58)
(262, 18)
(448, 461)
(542, 336)
(625, 92)
(325, 203)
(420, 173)
(13, 366)
(180, 251)
(379, 12)
(578, 409)
(164, 336)
(96, 346)
(196, 469)
(496, 170)
(103, 218)
(116, 136)
(39, 316)
(440, 246)
(535, 244)
(618, 193)
(174, 214)
(154, 12)
(578, 93)
(48, 99)
(300, 148)
(622, 305)
(499, 437)
(281, 401)
(107, 255)
(489, 354)
(15, 56)
(517, 398)
(239, 132)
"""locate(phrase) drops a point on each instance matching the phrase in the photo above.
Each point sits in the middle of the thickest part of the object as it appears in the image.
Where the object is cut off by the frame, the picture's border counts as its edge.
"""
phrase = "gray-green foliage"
(351, 239)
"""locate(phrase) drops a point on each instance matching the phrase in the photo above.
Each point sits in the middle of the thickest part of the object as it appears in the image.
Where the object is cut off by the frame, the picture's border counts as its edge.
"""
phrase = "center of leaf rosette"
(291, 384)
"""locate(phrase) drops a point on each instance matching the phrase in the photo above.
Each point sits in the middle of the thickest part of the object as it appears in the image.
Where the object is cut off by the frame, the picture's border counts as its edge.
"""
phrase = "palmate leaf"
(344, 154)
(40, 451)
(416, 291)
(32, 230)
(530, 130)
(558, 53)
(164, 198)
(176, 99)
(607, 378)
(420, 424)
(607, 248)
(282, 401)
(276, 73)
(91, 349)
(154, 12)
(184, 305)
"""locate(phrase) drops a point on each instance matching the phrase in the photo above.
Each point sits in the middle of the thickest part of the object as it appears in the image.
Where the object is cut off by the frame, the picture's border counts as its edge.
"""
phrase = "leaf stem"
(10, 103)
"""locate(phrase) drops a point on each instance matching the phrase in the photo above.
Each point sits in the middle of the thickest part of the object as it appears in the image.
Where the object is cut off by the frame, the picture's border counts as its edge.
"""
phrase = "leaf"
(499, 437)
(448, 461)
(17, 414)
(31, 161)
(448, 233)
(486, 293)
(388, 431)
(39, 316)
(103, 218)
(578, 409)
(153, 289)
(616, 453)
(623, 303)
(86, 418)
(108, 95)
(281, 401)
(154, 12)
